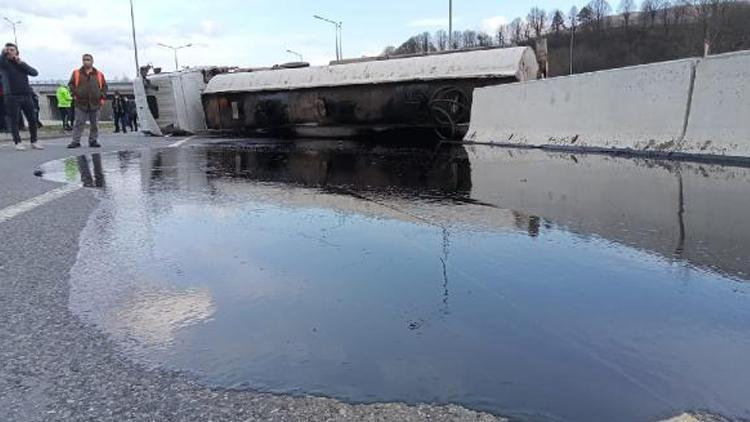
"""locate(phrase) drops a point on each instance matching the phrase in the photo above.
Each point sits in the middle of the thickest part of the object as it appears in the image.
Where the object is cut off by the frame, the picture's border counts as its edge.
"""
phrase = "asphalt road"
(55, 368)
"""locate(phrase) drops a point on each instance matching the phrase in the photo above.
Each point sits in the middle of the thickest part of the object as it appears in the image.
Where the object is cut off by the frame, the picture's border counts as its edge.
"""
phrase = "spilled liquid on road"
(540, 285)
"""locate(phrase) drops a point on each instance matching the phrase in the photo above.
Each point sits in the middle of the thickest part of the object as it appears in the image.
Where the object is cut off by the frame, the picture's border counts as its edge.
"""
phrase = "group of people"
(79, 102)
(125, 114)
(123, 109)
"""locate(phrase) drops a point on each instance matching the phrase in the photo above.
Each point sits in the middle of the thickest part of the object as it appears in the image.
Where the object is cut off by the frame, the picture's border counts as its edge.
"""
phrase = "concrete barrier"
(145, 118)
(640, 108)
(719, 122)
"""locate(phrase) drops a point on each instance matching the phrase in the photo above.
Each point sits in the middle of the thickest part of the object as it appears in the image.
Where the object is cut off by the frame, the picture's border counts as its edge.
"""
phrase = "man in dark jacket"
(18, 94)
(35, 101)
(120, 112)
(3, 120)
(132, 113)
(89, 89)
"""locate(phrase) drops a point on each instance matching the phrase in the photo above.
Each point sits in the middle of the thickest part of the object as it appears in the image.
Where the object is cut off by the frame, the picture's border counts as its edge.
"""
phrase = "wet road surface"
(539, 285)
(57, 368)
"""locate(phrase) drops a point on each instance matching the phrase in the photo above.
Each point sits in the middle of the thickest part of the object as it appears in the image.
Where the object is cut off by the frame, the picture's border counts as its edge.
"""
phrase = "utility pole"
(337, 25)
(572, 40)
(13, 25)
(299, 56)
(341, 41)
(135, 43)
(175, 50)
(450, 24)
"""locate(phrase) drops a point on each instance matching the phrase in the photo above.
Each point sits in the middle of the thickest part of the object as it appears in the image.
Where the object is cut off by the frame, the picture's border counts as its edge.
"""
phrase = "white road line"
(182, 142)
(26, 206)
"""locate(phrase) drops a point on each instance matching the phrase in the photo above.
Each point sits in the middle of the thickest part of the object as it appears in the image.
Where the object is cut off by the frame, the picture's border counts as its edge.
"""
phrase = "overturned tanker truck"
(431, 93)
(170, 103)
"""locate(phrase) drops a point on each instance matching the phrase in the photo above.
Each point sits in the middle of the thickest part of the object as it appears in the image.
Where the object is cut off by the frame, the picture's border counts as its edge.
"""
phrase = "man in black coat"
(18, 94)
(3, 124)
(132, 114)
(120, 112)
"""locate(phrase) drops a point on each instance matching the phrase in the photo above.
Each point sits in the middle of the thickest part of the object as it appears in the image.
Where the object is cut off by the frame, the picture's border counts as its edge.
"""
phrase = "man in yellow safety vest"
(64, 103)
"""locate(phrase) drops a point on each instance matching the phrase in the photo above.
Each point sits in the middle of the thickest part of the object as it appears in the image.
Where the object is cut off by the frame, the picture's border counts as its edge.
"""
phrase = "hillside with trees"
(605, 37)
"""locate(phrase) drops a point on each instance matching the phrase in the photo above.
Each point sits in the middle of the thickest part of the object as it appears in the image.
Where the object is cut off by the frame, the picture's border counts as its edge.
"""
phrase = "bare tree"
(470, 39)
(537, 19)
(441, 40)
(388, 51)
(484, 39)
(410, 46)
(557, 21)
(457, 40)
(585, 16)
(502, 35)
(712, 15)
(516, 31)
(722, 24)
(665, 8)
(426, 43)
(600, 9)
(418, 44)
(526, 30)
(626, 9)
(650, 9)
(573, 18)
(679, 11)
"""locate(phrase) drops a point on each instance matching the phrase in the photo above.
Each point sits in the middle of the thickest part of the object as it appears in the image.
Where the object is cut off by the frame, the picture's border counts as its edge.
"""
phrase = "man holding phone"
(18, 94)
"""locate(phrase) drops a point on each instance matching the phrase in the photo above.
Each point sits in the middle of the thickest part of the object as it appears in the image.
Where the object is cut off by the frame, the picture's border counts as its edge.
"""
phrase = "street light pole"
(301, 59)
(337, 25)
(572, 45)
(13, 25)
(135, 43)
(341, 41)
(175, 50)
(450, 24)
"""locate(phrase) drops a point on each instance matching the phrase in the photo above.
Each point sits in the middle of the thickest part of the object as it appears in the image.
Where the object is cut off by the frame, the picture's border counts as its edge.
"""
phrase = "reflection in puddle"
(525, 283)
(154, 318)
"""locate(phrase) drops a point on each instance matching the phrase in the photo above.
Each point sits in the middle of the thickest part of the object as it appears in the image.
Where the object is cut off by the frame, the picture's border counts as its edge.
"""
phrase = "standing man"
(35, 100)
(3, 125)
(89, 88)
(132, 113)
(64, 102)
(18, 94)
(118, 109)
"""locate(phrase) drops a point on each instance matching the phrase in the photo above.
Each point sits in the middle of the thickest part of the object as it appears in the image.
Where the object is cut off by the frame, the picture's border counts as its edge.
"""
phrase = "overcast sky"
(54, 33)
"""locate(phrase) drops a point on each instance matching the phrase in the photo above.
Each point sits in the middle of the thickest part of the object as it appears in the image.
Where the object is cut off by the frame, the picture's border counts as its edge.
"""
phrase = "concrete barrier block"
(145, 118)
(719, 121)
(638, 108)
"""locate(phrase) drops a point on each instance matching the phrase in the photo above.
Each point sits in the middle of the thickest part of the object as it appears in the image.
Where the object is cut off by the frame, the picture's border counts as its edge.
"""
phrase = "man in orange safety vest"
(89, 89)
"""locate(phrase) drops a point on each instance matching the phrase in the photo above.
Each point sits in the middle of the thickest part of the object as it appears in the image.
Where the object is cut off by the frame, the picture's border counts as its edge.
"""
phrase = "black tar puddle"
(520, 282)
